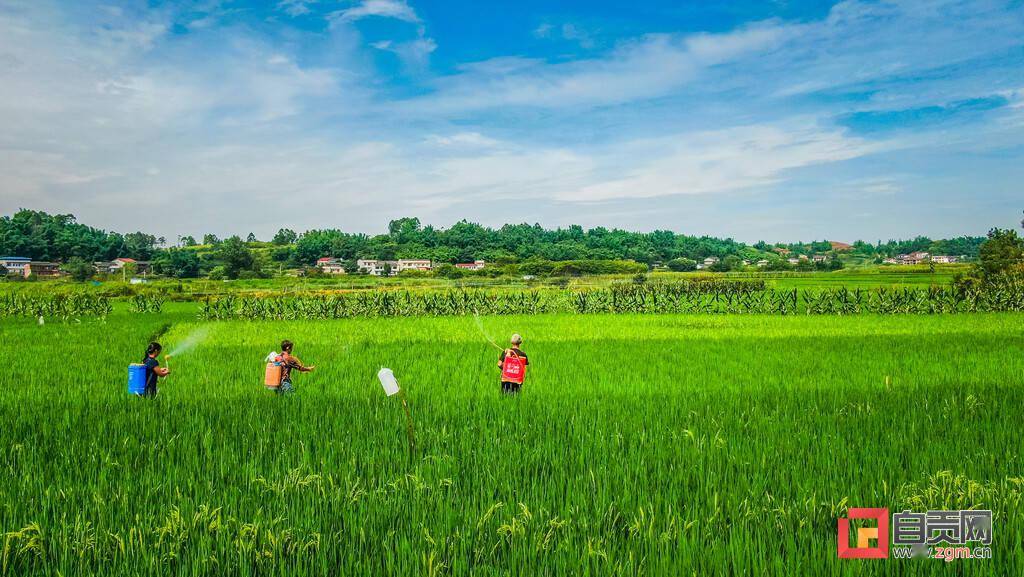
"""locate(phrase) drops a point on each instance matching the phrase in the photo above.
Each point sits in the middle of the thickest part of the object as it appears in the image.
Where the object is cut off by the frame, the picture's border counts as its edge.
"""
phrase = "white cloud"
(646, 68)
(726, 160)
(295, 7)
(398, 9)
(414, 53)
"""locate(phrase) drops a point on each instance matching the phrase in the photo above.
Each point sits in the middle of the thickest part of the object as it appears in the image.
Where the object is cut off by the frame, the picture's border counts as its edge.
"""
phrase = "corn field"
(619, 299)
(63, 307)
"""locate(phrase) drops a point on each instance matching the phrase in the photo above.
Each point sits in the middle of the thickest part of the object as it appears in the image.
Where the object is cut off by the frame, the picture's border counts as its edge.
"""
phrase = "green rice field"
(641, 445)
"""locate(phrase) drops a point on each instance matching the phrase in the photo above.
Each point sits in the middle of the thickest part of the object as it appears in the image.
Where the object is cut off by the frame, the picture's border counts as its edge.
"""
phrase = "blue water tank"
(136, 379)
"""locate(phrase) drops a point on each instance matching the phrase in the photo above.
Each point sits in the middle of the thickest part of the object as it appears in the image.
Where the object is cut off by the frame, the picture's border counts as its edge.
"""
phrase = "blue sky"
(780, 121)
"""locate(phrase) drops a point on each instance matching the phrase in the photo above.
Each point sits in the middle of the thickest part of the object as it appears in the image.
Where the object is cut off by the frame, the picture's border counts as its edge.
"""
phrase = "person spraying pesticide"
(153, 370)
(513, 364)
(278, 376)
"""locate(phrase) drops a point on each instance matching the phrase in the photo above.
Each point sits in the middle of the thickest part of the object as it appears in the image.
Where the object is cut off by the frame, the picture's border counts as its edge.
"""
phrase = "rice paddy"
(642, 444)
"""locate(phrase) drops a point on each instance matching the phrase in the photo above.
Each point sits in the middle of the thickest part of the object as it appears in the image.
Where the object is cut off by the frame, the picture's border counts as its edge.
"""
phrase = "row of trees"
(42, 236)
(57, 237)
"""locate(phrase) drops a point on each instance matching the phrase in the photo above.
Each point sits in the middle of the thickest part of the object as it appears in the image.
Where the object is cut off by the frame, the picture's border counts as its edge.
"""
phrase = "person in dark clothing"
(513, 363)
(288, 363)
(153, 369)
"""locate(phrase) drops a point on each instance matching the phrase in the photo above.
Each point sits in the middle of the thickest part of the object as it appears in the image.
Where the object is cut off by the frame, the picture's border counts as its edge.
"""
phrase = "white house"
(913, 258)
(475, 265)
(413, 264)
(115, 266)
(762, 263)
(710, 261)
(329, 265)
(944, 259)
(15, 265)
(376, 267)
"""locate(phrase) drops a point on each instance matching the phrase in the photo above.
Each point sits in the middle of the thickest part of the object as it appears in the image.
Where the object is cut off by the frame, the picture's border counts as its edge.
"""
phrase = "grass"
(663, 445)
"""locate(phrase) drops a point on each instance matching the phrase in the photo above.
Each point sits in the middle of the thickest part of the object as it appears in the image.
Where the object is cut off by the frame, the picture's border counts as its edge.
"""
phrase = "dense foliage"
(41, 236)
(59, 238)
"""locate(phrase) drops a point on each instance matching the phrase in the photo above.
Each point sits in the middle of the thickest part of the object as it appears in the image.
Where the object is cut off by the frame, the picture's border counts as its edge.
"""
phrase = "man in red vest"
(513, 364)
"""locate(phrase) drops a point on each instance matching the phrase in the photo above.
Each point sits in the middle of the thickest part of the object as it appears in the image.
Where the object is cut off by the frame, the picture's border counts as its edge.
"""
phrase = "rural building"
(710, 261)
(913, 258)
(413, 264)
(890, 261)
(15, 265)
(329, 265)
(376, 267)
(819, 258)
(118, 264)
(944, 259)
(475, 265)
(793, 260)
(762, 263)
(42, 269)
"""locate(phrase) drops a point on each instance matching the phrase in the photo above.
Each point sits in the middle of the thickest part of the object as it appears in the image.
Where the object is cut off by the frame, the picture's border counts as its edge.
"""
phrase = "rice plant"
(641, 444)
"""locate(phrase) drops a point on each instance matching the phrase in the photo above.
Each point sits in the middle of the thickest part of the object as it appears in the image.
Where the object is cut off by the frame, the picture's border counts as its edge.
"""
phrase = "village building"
(918, 257)
(328, 265)
(762, 263)
(413, 264)
(819, 258)
(944, 259)
(42, 269)
(117, 265)
(377, 267)
(475, 265)
(15, 265)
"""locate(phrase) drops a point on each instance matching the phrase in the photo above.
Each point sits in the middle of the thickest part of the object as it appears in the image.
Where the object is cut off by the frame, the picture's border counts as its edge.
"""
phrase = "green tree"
(235, 257)
(211, 239)
(1003, 249)
(251, 238)
(79, 269)
(285, 236)
(178, 263)
(682, 264)
(188, 240)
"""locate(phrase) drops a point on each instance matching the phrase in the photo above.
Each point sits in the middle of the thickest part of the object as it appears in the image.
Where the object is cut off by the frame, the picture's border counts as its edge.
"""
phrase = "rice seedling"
(641, 444)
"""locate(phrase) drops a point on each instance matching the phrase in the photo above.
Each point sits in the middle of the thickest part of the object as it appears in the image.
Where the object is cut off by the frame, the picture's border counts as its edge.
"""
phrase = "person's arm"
(501, 359)
(297, 364)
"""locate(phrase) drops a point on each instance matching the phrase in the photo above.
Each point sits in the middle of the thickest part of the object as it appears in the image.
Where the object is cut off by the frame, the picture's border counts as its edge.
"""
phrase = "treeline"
(58, 237)
(42, 236)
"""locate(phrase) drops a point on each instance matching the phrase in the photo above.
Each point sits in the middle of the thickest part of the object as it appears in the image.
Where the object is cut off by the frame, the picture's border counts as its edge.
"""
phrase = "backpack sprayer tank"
(272, 376)
(136, 379)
